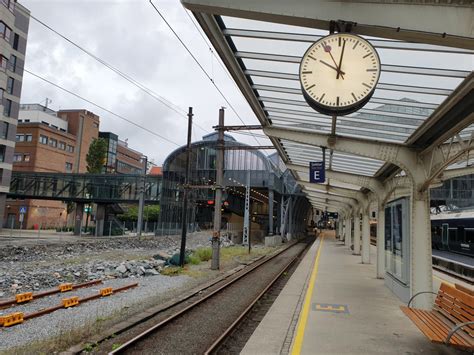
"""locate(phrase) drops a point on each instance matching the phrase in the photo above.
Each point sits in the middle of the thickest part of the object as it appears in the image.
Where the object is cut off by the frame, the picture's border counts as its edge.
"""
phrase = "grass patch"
(193, 259)
(172, 271)
(204, 254)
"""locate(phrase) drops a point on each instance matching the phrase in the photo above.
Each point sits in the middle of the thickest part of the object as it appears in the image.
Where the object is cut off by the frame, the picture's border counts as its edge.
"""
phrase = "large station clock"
(338, 73)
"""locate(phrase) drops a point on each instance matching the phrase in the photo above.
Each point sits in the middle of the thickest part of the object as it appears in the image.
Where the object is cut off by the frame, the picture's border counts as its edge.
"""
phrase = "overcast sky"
(131, 36)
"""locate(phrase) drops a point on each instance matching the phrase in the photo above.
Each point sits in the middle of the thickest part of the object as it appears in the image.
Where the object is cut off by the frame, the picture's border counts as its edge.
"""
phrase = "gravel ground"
(64, 321)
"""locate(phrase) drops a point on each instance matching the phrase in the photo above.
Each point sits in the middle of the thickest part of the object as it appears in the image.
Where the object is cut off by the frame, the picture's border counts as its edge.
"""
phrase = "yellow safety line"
(306, 306)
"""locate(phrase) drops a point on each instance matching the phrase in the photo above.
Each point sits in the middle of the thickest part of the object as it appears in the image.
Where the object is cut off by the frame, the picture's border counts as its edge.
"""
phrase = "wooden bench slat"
(464, 289)
(463, 296)
(452, 306)
(438, 326)
(427, 331)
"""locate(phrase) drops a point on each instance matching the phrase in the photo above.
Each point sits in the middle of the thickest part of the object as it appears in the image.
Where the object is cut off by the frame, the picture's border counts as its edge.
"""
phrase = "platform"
(333, 304)
(460, 259)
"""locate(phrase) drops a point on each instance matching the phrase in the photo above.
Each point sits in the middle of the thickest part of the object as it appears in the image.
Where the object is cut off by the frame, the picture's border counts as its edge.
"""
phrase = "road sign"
(317, 172)
(20, 217)
(23, 209)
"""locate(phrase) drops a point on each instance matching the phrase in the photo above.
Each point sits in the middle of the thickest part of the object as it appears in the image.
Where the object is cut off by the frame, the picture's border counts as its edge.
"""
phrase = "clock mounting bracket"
(341, 26)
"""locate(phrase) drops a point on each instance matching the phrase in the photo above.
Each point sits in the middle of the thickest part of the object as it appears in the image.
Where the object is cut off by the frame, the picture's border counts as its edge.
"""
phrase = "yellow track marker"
(296, 350)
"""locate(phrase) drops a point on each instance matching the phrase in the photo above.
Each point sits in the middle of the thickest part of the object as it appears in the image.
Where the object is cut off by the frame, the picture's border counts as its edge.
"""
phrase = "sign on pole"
(317, 172)
(23, 209)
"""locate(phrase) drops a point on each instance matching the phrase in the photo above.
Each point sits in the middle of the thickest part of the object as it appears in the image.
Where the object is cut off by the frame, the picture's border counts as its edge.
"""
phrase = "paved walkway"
(348, 311)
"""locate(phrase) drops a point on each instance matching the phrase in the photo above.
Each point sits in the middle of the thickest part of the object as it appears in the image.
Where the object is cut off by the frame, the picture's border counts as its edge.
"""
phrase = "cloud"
(133, 38)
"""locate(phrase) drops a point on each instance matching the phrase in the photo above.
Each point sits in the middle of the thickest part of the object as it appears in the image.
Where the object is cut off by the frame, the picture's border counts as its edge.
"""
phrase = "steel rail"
(226, 333)
(8, 303)
(174, 316)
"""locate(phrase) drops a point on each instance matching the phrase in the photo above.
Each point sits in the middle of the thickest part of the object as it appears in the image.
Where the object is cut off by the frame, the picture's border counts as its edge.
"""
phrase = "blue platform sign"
(23, 209)
(317, 172)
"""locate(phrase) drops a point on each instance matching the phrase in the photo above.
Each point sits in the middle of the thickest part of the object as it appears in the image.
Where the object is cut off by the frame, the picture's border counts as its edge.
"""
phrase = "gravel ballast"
(63, 321)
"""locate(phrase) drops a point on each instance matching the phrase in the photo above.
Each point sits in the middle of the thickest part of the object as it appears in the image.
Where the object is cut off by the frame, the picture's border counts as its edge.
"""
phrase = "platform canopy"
(424, 100)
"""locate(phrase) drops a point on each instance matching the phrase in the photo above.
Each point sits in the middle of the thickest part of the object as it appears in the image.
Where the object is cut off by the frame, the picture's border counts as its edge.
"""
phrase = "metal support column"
(270, 212)
(246, 233)
(365, 237)
(289, 234)
(216, 236)
(421, 275)
(380, 242)
(356, 234)
(184, 210)
(100, 220)
(141, 204)
(78, 215)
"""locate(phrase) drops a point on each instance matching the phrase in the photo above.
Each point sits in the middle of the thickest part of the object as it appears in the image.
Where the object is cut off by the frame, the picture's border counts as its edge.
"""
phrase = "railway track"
(203, 322)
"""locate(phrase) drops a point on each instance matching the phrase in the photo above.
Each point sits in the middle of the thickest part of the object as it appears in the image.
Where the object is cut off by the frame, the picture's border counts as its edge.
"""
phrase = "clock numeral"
(307, 72)
(367, 85)
(365, 56)
(337, 101)
(310, 87)
(353, 95)
(355, 45)
(371, 69)
(309, 56)
(321, 98)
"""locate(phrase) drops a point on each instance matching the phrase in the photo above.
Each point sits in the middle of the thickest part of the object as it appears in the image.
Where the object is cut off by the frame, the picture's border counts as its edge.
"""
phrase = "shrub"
(204, 254)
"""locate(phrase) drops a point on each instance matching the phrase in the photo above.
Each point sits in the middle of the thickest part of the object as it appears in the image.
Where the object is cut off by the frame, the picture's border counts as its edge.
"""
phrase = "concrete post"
(270, 212)
(356, 234)
(100, 220)
(78, 213)
(365, 237)
(348, 236)
(421, 278)
(381, 242)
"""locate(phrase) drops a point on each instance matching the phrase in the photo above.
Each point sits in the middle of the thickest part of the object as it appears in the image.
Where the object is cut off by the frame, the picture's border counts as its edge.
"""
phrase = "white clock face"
(338, 73)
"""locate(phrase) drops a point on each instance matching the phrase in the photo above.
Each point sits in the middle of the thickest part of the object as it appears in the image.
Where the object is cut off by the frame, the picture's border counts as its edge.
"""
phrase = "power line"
(127, 77)
(200, 66)
(101, 107)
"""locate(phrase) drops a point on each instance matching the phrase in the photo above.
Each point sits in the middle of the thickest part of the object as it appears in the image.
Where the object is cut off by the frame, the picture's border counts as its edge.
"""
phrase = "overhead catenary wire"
(101, 107)
(200, 66)
(181, 112)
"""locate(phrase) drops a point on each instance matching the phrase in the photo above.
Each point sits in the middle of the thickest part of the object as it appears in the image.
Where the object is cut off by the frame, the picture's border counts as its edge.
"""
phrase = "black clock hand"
(328, 50)
(340, 60)
(331, 66)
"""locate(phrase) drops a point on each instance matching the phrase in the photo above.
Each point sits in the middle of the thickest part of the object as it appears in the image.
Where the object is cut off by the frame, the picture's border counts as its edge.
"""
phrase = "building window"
(16, 39)
(26, 157)
(9, 4)
(53, 142)
(1, 94)
(96, 125)
(5, 31)
(68, 166)
(3, 130)
(10, 84)
(12, 63)
(20, 137)
(26, 121)
(3, 63)
(43, 139)
(62, 145)
(70, 148)
(2, 153)
(28, 137)
(7, 107)
(17, 158)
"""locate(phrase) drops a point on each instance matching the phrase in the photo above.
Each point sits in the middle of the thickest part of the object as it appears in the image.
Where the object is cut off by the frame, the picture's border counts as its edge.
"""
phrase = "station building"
(277, 205)
(50, 141)
(14, 24)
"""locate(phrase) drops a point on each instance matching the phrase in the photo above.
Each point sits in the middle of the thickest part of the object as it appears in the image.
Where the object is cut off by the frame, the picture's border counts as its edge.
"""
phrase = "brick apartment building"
(49, 141)
(14, 23)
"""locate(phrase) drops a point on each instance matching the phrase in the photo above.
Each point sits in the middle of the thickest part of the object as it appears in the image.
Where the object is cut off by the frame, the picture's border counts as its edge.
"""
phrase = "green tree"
(95, 158)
